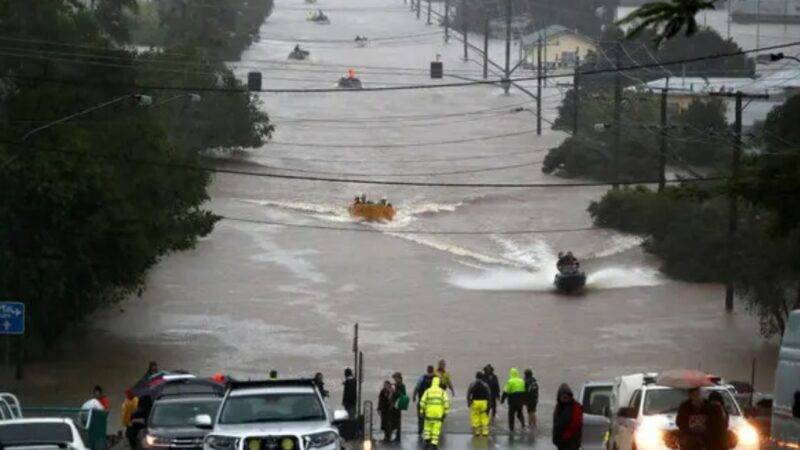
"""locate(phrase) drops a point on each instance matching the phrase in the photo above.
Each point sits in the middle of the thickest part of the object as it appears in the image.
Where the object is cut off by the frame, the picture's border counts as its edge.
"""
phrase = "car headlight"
(156, 441)
(747, 435)
(320, 440)
(222, 442)
(649, 435)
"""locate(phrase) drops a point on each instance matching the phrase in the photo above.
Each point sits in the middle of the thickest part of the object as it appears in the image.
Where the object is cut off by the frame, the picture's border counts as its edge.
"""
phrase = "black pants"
(515, 410)
(420, 422)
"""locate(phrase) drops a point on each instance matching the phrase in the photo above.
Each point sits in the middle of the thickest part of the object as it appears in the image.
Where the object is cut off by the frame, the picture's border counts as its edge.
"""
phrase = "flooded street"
(463, 274)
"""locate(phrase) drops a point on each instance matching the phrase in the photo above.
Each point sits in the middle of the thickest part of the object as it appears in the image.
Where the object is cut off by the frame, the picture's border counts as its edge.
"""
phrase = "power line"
(406, 145)
(190, 167)
(418, 174)
(402, 87)
(408, 232)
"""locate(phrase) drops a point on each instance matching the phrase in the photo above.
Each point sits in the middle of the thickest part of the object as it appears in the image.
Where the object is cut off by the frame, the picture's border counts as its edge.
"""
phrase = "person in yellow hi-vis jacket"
(434, 407)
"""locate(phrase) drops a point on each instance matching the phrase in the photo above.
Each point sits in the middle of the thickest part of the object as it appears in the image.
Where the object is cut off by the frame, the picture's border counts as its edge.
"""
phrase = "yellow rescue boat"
(372, 211)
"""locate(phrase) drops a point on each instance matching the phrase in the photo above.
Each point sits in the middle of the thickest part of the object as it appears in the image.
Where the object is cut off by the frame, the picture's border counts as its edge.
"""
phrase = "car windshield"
(667, 401)
(182, 413)
(32, 433)
(271, 408)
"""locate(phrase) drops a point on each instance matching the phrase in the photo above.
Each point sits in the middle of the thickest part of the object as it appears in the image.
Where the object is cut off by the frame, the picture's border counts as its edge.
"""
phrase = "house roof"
(550, 32)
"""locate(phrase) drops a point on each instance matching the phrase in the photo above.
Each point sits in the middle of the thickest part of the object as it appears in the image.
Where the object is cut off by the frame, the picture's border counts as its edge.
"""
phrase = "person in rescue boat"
(434, 406)
(567, 420)
(692, 421)
(478, 401)
(514, 391)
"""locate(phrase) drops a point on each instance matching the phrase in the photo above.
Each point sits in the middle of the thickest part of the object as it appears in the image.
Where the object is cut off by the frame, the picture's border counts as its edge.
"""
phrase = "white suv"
(649, 419)
(273, 415)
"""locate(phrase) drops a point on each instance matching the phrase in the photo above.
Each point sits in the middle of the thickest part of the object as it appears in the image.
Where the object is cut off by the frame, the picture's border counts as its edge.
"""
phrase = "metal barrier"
(92, 423)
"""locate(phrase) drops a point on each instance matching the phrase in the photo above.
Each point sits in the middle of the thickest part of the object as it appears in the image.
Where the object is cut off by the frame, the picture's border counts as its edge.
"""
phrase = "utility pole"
(733, 206)
(507, 85)
(446, 21)
(662, 155)
(486, 48)
(539, 87)
(419, 8)
(617, 113)
(464, 27)
(577, 96)
(429, 13)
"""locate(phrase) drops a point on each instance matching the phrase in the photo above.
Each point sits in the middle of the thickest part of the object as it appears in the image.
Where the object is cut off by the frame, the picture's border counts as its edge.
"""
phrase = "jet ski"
(318, 17)
(349, 81)
(361, 41)
(569, 278)
(299, 55)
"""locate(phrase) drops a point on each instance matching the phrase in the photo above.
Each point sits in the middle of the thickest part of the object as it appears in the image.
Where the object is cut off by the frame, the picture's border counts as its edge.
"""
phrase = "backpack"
(402, 402)
(533, 388)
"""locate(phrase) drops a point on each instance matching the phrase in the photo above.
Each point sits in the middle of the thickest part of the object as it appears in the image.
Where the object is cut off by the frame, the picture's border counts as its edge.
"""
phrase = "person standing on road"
(320, 382)
(434, 406)
(494, 386)
(444, 377)
(129, 405)
(478, 401)
(567, 420)
(385, 409)
(531, 396)
(423, 384)
(692, 421)
(718, 423)
(514, 391)
(350, 395)
(399, 403)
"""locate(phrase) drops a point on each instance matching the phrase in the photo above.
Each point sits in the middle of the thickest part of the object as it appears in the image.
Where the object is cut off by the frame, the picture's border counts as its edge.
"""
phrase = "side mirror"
(628, 413)
(796, 405)
(607, 411)
(203, 421)
(340, 415)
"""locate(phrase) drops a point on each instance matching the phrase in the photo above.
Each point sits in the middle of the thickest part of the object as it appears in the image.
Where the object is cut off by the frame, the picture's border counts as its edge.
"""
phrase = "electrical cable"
(394, 88)
(190, 167)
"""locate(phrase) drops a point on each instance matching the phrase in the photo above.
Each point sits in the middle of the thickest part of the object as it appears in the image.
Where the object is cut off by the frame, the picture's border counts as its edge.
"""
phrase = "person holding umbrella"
(695, 414)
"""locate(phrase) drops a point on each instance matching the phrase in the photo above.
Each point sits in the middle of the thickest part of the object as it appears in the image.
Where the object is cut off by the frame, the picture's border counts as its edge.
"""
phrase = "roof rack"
(237, 384)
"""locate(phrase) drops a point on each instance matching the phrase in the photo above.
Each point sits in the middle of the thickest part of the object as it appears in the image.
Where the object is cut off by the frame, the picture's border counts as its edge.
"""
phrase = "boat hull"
(570, 281)
(372, 212)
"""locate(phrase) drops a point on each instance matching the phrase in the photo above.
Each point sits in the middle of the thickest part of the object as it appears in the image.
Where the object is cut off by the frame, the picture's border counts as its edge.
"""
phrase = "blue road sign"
(12, 318)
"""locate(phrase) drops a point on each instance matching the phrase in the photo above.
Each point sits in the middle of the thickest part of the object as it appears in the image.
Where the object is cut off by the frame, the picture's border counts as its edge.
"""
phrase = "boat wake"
(504, 279)
(406, 213)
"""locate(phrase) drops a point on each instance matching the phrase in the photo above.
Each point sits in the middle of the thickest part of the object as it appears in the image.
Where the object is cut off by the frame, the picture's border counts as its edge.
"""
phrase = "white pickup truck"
(647, 420)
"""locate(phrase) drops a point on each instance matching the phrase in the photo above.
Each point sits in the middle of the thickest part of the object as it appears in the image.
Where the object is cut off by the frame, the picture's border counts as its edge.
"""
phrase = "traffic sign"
(12, 318)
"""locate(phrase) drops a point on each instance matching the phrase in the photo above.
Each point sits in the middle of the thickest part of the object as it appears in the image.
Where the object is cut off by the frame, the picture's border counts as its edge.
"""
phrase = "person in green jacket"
(514, 391)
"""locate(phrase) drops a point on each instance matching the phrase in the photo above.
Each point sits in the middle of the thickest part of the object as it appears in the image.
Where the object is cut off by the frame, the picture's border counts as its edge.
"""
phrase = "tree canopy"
(91, 204)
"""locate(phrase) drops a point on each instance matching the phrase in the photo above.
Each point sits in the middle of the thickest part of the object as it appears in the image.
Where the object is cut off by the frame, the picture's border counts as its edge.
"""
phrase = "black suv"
(171, 424)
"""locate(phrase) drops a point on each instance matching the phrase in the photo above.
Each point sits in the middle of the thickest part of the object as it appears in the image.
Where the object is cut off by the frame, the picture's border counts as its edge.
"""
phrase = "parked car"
(648, 421)
(40, 434)
(786, 400)
(273, 415)
(171, 423)
(595, 399)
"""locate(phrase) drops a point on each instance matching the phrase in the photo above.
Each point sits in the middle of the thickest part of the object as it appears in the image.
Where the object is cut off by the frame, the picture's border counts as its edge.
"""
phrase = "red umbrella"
(684, 379)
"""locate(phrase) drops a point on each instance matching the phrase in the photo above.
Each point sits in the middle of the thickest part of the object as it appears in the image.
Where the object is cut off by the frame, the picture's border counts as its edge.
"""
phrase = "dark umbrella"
(684, 379)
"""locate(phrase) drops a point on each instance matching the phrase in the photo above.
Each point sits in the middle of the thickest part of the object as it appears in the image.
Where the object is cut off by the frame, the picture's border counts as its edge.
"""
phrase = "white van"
(786, 404)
